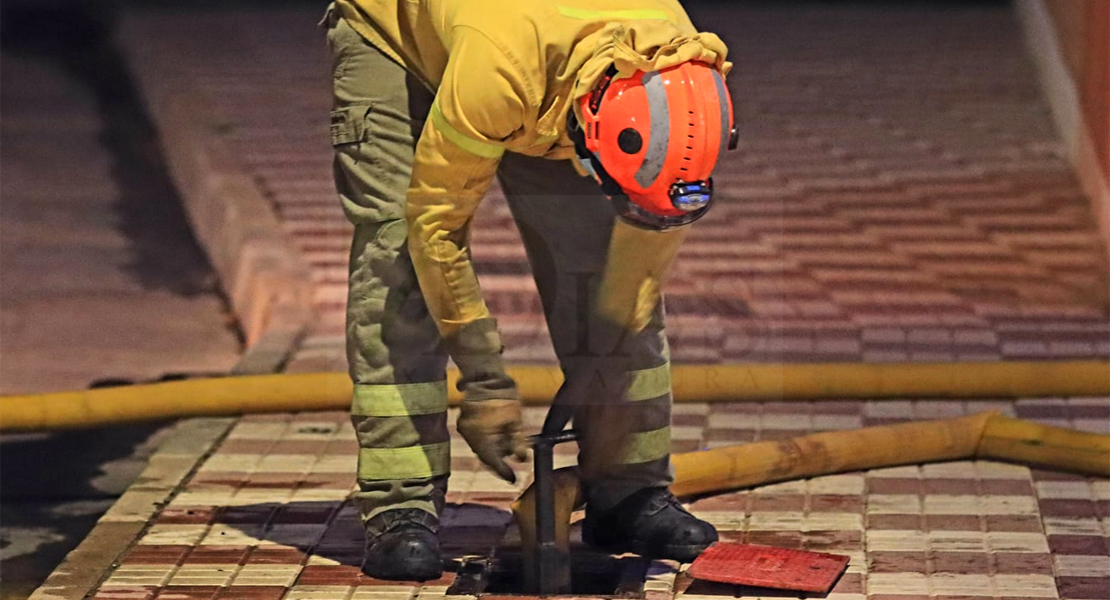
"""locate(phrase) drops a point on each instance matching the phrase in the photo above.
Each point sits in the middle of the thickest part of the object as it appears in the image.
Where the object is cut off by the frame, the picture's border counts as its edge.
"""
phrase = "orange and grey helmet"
(652, 139)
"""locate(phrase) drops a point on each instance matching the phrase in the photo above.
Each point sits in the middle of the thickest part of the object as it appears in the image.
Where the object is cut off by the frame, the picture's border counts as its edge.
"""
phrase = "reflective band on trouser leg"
(413, 462)
(646, 446)
(640, 462)
(402, 431)
(400, 400)
(644, 416)
(650, 383)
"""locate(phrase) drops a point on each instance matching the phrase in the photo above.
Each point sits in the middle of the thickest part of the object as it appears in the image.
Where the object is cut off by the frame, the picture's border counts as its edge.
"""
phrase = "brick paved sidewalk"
(900, 195)
(264, 517)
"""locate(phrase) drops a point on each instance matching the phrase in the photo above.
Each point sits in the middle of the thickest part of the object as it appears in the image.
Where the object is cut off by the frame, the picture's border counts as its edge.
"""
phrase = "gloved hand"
(492, 428)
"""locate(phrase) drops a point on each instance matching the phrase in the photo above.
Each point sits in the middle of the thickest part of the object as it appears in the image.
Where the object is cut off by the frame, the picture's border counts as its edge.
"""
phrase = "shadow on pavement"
(77, 38)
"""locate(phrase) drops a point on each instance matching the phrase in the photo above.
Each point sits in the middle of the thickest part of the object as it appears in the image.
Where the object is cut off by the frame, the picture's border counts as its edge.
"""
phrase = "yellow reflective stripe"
(401, 400)
(591, 15)
(650, 383)
(411, 462)
(471, 145)
(647, 446)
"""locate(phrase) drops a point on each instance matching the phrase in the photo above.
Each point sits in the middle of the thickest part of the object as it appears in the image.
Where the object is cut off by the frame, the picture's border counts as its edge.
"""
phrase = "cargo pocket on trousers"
(368, 190)
(349, 125)
(351, 139)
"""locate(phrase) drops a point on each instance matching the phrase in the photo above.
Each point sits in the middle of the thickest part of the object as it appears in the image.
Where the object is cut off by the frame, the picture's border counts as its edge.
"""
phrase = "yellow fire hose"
(986, 435)
(232, 396)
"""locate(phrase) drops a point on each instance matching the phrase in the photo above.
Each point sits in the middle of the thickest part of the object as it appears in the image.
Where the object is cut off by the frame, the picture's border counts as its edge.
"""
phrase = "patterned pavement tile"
(899, 195)
(902, 176)
(244, 526)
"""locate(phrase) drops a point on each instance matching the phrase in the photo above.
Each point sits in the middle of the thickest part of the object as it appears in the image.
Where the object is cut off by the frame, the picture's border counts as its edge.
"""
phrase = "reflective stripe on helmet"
(647, 446)
(722, 97)
(659, 143)
(650, 383)
(411, 462)
(399, 400)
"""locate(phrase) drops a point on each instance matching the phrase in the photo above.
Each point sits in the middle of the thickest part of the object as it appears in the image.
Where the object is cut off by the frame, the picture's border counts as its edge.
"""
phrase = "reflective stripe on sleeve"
(471, 145)
(604, 15)
(399, 400)
(647, 446)
(412, 462)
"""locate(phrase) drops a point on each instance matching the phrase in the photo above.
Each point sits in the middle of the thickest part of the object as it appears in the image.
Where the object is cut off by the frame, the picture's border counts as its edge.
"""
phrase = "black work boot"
(402, 545)
(651, 523)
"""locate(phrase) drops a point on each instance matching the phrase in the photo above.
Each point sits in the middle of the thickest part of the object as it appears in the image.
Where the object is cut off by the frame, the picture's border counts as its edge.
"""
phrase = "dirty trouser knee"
(566, 223)
(393, 347)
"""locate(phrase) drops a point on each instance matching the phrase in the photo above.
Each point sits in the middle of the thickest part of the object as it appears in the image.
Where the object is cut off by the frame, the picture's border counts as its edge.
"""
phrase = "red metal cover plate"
(746, 564)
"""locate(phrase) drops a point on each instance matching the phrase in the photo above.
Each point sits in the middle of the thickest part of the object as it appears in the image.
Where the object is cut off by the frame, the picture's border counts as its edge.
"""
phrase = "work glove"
(492, 428)
(489, 417)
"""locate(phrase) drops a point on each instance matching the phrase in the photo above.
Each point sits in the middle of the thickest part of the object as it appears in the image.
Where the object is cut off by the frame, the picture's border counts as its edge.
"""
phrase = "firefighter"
(602, 120)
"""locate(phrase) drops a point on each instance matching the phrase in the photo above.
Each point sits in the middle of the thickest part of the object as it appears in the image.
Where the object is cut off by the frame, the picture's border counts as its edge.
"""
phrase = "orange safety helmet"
(651, 140)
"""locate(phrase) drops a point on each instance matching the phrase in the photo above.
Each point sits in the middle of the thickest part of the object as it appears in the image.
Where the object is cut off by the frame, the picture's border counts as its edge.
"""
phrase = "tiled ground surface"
(264, 517)
(899, 193)
(899, 196)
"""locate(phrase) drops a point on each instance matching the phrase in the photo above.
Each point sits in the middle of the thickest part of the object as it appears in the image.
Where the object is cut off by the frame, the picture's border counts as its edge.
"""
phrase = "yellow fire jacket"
(505, 73)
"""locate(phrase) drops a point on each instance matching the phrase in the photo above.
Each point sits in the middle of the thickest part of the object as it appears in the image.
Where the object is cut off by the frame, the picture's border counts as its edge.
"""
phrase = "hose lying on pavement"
(230, 396)
(987, 435)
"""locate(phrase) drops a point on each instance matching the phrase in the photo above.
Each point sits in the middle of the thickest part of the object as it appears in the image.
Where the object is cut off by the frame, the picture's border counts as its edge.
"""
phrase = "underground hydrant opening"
(592, 574)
